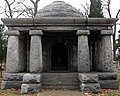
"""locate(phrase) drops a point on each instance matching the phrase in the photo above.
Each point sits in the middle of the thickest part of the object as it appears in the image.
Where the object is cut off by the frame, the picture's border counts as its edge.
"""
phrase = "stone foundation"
(89, 82)
(31, 83)
(108, 80)
(12, 80)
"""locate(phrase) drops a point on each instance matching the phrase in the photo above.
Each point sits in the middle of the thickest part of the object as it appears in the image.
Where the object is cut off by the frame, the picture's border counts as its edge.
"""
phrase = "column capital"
(106, 32)
(83, 32)
(13, 33)
(36, 32)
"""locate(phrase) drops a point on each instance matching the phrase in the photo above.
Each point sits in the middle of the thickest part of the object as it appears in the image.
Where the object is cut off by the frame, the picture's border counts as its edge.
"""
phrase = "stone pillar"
(106, 58)
(36, 65)
(83, 51)
(12, 63)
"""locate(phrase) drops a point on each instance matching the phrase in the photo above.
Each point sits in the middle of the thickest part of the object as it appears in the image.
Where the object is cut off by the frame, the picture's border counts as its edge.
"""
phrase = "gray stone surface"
(32, 78)
(36, 32)
(107, 32)
(90, 87)
(12, 63)
(59, 9)
(26, 88)
(83, 32)
(88, 77)
(11, 84)
(83, 54)
(13, 76)
(36, 65)
(109, 84)
(13, 32)
(106, 59)
(107, 76)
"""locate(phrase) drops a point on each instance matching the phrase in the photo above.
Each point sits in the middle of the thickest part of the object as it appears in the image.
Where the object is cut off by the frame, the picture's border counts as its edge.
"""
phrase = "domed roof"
(58, 9)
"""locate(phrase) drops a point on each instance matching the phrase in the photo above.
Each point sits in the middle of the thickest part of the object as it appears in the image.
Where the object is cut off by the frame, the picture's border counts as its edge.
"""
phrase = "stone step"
(60, 87)
(60, 74)
(60, 81)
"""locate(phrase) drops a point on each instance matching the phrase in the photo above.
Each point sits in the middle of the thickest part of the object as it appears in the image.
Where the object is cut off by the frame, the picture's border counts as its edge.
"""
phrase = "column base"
(31, 83)
(90, 87)
(11, 84)
(89, 82)
(12, 80)
(108, 80)
(94, 81)
(28, 88)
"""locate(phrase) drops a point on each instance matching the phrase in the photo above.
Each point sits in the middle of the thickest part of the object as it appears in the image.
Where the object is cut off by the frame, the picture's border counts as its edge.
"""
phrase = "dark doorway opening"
(59, 57)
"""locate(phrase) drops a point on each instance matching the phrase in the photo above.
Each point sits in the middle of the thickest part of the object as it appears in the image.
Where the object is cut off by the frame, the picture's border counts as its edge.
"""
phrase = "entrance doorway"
(59, 57)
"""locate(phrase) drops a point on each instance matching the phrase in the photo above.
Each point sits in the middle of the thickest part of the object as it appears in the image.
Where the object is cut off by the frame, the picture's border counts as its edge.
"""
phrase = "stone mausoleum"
(59, 49)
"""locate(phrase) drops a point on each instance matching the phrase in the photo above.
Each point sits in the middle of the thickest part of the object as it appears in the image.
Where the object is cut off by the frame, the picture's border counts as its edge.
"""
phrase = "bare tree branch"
(6, 11)
(35, 6)
(12, 2)
(9, 7)
(109, 12)
(118, 13)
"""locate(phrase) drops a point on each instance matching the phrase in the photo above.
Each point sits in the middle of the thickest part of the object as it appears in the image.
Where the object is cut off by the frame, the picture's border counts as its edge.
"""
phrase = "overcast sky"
(115, 4)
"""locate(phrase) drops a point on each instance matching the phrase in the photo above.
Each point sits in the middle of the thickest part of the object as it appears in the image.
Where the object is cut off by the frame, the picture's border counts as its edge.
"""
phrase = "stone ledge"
(36, 32)
(13, 32)
(109, 84)
(13, 76)
(32, 78)
(90, 87)
(11, 84)
(107, 76)
(88, 77)
(83, 32)
(106, 32)
(26, 22)
(26, 88)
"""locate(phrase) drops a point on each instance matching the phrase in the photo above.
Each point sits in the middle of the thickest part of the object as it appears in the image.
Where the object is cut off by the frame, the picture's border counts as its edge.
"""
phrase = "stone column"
(83, 51)
(106, 58)
(36, 65)
(12, 63)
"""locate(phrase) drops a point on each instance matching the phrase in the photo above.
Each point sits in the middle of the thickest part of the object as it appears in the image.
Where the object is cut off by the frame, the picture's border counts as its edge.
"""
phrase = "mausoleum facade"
(59, 48)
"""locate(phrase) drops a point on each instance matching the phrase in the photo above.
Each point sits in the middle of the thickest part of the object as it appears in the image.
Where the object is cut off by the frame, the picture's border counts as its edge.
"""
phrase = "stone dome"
(58, 9)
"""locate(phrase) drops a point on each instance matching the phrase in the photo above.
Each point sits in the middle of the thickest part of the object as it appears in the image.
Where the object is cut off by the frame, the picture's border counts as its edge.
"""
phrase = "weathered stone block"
(26, 88)
(88, 78)
(90, 87)
(13, 76)
(32, 78)
(109, 84)
(106, 32)
(11, 84)
(107, 76)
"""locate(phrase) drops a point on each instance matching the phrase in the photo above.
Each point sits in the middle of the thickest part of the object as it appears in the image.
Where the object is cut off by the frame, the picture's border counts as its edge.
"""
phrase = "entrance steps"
(60, 81)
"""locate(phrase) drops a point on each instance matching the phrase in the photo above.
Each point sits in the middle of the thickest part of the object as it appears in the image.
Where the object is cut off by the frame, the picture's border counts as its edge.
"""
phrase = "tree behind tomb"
(96, 9)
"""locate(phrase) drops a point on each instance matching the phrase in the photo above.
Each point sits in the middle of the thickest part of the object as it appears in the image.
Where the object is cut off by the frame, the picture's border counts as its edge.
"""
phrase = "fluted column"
(12, 62)
(106, 58)
(83, 51)
(36, 64)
